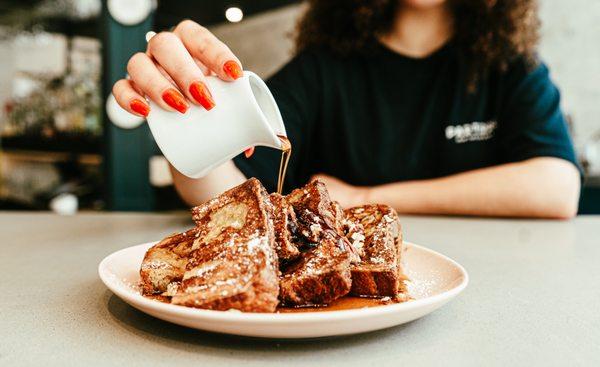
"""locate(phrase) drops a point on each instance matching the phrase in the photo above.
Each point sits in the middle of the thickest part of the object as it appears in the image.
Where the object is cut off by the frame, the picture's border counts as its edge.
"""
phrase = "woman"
(430, 106)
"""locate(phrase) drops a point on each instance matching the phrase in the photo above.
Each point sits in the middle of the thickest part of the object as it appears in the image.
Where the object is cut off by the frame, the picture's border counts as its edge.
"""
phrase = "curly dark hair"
(489, 33)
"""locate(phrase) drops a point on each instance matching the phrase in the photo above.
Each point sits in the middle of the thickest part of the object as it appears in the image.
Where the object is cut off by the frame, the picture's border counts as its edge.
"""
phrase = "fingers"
(152, 83)
(170, 53)
(129, 99)
(248, 152)
(209, 50)
(180, 59)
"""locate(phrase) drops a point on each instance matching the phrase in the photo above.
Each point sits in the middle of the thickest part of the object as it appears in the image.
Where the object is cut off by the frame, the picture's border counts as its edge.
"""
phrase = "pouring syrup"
(286, 153)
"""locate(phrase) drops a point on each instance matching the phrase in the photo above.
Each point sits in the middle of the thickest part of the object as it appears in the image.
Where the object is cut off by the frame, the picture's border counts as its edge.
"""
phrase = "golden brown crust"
(322, 273)
(165, 262)
(284, 223)
(315, 198)
(227, 262)
(231, 259)
(375, 232)
(234, 264)
(241, 277)
(320, 276)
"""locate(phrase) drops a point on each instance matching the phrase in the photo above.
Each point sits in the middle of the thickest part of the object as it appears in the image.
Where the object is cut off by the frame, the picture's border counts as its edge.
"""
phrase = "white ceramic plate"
(435, 279)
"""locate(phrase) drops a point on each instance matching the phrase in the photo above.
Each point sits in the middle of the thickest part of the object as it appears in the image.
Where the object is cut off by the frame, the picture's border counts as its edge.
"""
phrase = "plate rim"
(300, 317)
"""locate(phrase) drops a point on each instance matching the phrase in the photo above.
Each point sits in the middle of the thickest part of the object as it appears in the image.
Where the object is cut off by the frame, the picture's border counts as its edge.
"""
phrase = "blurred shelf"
(67, 143)
(51, 157)
(26, 15)
(10, 204)
(82, 28)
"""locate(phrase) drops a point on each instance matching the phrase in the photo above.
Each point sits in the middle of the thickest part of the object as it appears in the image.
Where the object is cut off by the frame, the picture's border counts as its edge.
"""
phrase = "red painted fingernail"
(200, 92)
(248, 152)
(232, 69)
(140, 107)
(173, 98)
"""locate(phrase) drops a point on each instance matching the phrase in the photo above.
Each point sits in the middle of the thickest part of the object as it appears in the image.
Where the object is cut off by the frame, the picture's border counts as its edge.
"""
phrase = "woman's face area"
(422, 4)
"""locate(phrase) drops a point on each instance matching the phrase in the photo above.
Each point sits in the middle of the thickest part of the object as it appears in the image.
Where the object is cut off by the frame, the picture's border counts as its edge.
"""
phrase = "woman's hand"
(346, 194)
(172, 70)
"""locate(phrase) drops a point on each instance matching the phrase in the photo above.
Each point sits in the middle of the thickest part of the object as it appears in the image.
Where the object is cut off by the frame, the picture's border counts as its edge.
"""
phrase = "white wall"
(571, 48)
(263, 42)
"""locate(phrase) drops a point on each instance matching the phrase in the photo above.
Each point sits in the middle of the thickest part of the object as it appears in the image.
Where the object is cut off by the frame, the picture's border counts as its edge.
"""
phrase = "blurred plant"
(69, 104)
(72, 9)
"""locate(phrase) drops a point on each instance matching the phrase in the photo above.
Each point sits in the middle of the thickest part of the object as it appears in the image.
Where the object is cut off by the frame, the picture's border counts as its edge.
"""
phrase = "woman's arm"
(172, 72)
(542, 187)
(195, 191)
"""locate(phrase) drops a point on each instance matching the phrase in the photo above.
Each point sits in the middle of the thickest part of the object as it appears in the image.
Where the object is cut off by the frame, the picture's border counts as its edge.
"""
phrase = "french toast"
(251, 251)
(322, 273)
(233, 264)
(314, 198)
(165, 262)
(375, 233)
(284, 224)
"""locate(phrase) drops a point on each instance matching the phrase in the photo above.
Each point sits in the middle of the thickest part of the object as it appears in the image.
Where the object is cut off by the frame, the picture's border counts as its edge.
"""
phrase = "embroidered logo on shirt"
(474, 131)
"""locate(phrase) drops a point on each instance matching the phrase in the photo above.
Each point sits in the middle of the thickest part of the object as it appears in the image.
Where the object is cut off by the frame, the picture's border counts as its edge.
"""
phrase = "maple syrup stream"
(286, 153)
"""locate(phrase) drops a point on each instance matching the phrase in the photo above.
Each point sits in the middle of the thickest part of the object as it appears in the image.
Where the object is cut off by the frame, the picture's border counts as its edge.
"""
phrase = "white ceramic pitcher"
(245, 115)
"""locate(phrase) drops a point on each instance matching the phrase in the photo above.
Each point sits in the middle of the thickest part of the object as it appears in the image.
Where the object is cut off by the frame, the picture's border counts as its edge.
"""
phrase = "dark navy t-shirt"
(384, 117)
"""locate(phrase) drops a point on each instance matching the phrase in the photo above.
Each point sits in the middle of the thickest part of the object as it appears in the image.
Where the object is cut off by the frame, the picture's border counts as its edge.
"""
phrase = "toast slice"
(322, 272)
(314, 199)
(375, 233)
(320, 276)
(284, 223)
(233, 264)
(165, 262)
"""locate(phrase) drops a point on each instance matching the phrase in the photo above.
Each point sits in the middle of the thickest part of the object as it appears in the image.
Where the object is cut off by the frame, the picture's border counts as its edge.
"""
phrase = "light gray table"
(534, 299)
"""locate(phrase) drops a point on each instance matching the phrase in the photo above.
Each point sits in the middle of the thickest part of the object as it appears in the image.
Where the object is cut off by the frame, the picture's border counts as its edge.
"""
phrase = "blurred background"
(63, 147)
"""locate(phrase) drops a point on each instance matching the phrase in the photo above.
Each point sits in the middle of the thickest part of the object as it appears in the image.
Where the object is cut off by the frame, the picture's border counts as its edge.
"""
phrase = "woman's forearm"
(539, 187)
(195, 191)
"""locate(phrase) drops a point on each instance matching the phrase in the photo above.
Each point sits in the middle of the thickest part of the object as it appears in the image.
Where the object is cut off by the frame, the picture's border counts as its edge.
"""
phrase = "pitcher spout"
(268, 107)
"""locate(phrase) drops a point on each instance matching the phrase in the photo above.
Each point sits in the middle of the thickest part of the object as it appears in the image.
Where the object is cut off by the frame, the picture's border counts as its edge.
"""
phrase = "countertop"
(533, 299)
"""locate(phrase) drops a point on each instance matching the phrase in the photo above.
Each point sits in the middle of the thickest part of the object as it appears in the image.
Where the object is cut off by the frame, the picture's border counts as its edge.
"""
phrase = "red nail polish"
(248, 152)
(232, 69)
(140, 107)
(173, 98)
(200, 92)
